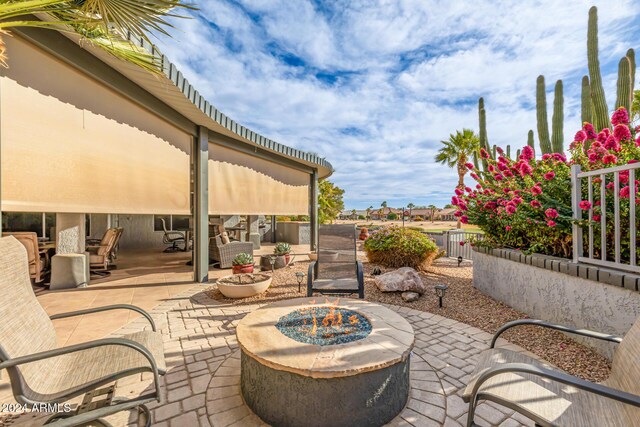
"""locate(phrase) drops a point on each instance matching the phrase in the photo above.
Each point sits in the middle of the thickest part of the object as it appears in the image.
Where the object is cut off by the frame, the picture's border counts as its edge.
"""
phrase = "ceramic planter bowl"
(240, 286)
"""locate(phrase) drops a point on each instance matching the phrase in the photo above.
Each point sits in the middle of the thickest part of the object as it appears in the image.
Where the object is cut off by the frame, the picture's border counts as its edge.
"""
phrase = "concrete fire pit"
(325, 362)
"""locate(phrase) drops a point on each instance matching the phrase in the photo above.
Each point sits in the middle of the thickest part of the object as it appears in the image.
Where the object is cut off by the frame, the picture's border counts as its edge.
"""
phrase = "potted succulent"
(283, 249)
(242, 263)
(364, 233)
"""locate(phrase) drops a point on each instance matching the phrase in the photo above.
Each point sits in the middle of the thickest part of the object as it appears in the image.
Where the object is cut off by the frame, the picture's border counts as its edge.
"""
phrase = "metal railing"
(450, 242)
(599, 178)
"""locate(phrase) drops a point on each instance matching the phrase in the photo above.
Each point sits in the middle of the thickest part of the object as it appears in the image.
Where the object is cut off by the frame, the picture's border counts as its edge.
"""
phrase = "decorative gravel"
(324, 325)
(463, 303)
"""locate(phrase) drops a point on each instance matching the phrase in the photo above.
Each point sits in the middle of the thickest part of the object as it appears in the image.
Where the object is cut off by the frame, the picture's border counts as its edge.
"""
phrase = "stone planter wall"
(294, 232)
(559, 291)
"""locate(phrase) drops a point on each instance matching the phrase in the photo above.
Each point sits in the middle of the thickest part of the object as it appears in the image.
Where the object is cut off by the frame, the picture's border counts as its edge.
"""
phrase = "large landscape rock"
(401, 280)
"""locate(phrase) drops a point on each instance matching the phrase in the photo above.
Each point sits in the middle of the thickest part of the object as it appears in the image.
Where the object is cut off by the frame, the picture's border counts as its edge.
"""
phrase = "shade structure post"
(274, 223)
(201, 206)
(313, 210)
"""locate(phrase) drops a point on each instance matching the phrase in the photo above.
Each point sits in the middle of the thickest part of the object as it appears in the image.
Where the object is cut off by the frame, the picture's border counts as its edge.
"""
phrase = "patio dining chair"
(101, 256)
(172, 238)
(337, 270)
(42, 373)
(550, 397)
(39, 262)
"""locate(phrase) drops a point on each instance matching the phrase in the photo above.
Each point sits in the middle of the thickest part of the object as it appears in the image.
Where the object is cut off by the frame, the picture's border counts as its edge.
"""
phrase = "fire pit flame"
(323, 325)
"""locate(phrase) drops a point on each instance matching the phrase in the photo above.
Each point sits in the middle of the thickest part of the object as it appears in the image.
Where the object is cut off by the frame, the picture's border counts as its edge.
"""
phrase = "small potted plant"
(283, 249)
(242, 263)
(364, 233)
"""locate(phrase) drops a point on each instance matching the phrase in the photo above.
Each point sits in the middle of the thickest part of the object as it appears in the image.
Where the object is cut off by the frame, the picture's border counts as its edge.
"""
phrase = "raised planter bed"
(559, 291)
(243, 285)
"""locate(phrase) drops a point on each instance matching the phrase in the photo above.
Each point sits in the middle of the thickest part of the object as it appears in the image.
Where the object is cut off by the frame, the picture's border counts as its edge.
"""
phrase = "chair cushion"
(224, 237)
(553, 402)
(50, 378)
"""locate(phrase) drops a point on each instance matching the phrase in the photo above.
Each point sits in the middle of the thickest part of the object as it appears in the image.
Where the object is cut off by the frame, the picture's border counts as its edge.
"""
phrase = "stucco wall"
(558, 297)
(138, 233)
(294, 232)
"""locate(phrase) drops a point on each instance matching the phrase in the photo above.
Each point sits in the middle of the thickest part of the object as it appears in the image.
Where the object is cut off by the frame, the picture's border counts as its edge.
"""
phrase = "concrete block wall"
(559, 291)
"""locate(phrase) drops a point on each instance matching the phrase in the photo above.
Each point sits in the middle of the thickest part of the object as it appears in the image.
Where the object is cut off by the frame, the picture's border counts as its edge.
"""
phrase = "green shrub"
(361, 217)
(243, 259)
(396, 247)
(418, 218)
(280, 218)
(392, 216)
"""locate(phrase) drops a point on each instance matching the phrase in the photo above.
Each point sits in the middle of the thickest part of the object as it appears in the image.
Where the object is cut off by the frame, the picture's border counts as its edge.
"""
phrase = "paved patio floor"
(202, 388)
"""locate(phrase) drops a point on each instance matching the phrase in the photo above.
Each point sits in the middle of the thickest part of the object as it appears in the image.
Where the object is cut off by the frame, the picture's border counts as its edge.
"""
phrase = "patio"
(201, 387)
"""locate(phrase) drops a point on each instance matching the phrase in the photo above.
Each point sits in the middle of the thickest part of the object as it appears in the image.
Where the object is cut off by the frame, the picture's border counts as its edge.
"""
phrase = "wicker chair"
(43, 373)
(224, 253)
(551, 397)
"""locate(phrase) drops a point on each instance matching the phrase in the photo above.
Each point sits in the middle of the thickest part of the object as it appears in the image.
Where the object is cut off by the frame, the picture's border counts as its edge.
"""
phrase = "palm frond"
(135, 16)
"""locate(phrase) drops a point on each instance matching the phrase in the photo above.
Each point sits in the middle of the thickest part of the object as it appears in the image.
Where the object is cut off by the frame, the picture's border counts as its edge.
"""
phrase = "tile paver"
(202, 386)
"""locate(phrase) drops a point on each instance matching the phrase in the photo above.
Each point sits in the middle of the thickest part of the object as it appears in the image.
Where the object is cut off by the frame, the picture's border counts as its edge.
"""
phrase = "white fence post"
(576, 196)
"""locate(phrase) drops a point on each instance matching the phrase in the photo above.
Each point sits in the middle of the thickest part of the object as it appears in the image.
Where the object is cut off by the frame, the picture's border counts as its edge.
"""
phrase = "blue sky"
(373, 86)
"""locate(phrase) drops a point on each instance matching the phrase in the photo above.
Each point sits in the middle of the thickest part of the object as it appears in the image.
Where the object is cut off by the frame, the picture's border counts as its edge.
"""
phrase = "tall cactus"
(530, 141)
(475, 160)
(541, 115)
(587, 110)
(557, 120)
(508, 151)
(631, 55)
(484, 142)
(624, 92)
(494, 150)
(600, 111)
(518, 153)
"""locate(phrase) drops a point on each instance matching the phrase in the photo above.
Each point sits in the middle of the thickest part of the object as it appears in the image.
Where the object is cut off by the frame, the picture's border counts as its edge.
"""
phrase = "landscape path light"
(300, 277)
(440, 291)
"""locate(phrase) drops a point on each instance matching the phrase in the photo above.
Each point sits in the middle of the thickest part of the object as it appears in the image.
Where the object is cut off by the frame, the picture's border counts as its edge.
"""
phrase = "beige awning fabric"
(246, 185)
(70, 144)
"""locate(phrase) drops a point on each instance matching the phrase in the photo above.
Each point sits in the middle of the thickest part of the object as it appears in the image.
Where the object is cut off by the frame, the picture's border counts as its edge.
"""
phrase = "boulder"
(410, 296)
(401, 280)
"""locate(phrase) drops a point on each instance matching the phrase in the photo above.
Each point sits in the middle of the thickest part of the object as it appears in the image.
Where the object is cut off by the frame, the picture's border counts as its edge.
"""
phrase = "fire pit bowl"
(325, 362)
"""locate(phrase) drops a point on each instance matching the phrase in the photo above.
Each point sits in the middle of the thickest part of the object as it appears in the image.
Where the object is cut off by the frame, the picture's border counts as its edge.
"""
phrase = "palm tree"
(383, 206)
(456, 152)
(103, 23)
(433, 209)
(353, 214)
(369, 212)
(410, 206)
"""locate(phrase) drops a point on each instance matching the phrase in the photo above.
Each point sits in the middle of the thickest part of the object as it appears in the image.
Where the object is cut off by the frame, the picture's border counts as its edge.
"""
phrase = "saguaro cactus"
(530, 141)
(600, 111)
(482, 135)
(624, 92)
(508, 151)
(557, 120)
(631, 55)
(587, 109)
(541, 115)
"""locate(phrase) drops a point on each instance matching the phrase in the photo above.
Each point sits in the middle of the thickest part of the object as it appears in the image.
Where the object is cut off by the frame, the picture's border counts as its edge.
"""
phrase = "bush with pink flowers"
(525, 203)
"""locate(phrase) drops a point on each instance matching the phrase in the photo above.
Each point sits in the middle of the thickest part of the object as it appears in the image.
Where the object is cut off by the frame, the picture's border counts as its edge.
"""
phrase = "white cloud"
(407, 74)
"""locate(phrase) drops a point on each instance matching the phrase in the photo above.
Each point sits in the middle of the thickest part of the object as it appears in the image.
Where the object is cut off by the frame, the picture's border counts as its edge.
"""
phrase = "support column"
(201, 206)
(70, 233)
(273, 228)
(253, 231)
(313, 210)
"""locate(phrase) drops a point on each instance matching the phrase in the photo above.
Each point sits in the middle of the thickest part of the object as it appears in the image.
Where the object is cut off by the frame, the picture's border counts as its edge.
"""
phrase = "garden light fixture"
(272, 261)
(459, 261)
(300, 277)
(440, 291)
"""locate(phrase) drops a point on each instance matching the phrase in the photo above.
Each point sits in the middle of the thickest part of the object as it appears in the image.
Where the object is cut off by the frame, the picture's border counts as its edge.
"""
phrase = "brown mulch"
(463, 303)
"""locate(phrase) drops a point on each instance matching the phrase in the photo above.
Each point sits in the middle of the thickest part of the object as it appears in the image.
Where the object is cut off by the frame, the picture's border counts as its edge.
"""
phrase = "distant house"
(420, 212)
(446, 214)
(348, 214)
(378, 214)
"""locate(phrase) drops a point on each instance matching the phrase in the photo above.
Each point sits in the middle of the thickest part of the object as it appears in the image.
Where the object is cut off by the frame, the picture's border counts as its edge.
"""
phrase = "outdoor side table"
(69, 271)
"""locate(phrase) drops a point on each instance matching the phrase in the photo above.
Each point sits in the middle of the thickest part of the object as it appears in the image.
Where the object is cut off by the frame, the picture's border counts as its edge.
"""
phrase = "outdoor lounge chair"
(551, 397)
(38, 260)
(101, 256)
(337, 270)
(224, 253)
(172, 237)
(40, 372)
